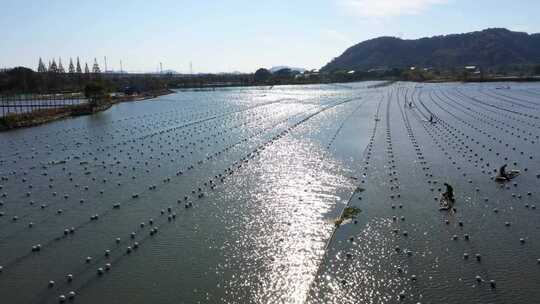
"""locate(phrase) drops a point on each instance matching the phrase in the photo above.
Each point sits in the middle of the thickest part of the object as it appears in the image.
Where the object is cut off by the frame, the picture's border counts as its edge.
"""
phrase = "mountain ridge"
(489, 48)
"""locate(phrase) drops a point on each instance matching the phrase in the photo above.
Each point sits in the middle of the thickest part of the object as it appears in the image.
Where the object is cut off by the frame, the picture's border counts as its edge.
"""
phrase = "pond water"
(232, 196)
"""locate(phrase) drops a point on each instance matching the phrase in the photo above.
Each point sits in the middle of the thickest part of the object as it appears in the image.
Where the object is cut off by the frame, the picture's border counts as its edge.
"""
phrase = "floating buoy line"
(114, 254)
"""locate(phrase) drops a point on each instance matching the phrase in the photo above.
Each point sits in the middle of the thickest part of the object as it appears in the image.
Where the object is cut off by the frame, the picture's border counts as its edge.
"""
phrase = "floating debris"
(348, 213)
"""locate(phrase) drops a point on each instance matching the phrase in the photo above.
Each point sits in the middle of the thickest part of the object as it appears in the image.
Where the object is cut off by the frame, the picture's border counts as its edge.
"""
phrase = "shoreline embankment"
(42, 116)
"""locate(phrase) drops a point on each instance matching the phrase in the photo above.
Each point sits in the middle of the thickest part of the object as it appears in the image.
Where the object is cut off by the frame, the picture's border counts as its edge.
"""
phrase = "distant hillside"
(281, 67)
(489, 48)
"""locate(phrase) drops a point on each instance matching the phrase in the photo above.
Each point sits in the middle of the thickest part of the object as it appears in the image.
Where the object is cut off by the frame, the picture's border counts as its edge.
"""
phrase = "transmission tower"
(60, 66)
(53, 67)
(41, 66)
(95, 67)
(71, 68)
(78, 69)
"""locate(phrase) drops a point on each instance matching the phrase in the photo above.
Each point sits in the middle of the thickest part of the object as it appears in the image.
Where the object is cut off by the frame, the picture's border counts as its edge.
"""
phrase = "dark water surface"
(230, 196)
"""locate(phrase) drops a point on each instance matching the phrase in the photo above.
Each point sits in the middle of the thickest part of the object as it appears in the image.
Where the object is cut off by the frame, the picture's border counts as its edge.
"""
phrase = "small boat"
(445, 203)
(510, 175)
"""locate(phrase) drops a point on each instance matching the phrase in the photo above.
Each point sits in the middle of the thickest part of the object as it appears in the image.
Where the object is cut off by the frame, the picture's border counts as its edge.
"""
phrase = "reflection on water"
(281, 234)
(231, 196)
(365, 273)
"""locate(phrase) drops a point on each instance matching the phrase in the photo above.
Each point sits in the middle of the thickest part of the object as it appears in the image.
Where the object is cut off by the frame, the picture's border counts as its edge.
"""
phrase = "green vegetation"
(262, 75)
(95, 92)
(359, 189)
(487, 53)
(347, 214)
(23, 80)
(537, 70)
(350, 212)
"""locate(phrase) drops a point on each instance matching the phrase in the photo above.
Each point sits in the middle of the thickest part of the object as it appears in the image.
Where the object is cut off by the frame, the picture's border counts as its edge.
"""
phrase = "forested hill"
(489, 48)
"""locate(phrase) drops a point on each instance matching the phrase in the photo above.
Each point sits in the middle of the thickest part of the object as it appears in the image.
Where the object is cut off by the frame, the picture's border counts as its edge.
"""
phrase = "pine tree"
(86, 70)
(79, 70)
(95, 67)
(53, 68)
(71, 66)
(41, 67)
(60, 66)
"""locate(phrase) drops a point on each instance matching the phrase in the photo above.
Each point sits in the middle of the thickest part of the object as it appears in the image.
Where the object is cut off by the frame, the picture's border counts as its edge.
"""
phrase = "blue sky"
(235, 35)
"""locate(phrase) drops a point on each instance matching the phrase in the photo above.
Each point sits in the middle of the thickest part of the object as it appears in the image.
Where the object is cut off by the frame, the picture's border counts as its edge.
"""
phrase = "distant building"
(473, 69)
(379, 69)
(307, 74)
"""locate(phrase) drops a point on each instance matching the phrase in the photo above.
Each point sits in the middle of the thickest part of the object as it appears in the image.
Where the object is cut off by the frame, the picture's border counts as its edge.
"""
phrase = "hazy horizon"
(233, 36)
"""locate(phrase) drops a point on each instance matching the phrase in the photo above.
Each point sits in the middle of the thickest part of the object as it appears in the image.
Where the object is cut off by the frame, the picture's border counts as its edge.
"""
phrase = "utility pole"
(161, 68)
(105, 57)
(191, 68)
(121, 69)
